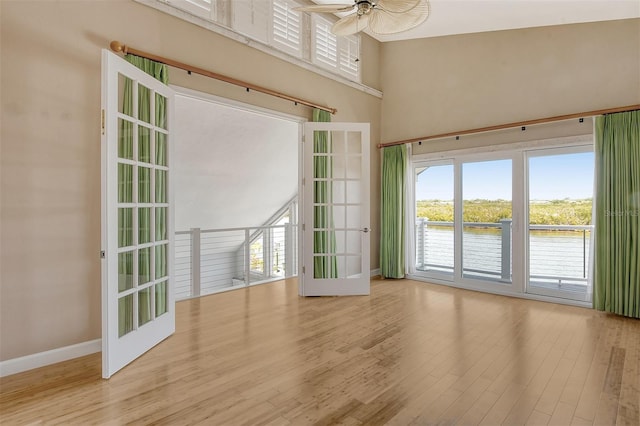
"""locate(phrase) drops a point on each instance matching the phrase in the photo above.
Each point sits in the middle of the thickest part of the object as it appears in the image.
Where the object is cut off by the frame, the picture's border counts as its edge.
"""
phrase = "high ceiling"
(450, 17)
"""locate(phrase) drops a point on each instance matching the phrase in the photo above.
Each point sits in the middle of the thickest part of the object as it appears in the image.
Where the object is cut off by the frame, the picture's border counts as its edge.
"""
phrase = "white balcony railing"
(213, 260)
(558, 254)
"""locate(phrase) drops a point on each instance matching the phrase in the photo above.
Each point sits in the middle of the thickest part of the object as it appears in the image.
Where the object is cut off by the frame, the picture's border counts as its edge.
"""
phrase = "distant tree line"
(554, 212)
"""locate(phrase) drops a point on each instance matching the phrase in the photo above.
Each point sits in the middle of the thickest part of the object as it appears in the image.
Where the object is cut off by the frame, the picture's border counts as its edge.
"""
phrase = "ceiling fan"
(379, 16)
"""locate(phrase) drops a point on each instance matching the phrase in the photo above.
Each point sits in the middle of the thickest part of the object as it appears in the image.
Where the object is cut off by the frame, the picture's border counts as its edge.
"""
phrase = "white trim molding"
(41, 359)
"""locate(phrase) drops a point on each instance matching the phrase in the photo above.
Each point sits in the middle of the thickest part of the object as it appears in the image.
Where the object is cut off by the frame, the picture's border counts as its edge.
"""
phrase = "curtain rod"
(116, 46)
(516, 124)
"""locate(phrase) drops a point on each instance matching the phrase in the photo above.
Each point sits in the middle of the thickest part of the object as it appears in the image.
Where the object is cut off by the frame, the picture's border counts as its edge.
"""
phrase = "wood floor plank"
(562, 415)
(552, 392)
(629, 401)
(537, 419)
(411, 353)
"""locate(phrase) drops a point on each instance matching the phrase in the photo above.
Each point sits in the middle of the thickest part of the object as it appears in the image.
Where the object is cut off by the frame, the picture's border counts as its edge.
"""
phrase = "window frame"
(221, 24)
(518, 152)
(541, 153)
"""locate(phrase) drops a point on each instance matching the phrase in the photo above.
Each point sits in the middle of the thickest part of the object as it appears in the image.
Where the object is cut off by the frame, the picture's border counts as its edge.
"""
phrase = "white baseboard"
(375, 272)
(41, 359)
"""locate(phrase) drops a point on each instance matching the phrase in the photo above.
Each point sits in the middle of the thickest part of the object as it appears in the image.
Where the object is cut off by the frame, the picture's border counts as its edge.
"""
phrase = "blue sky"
(551, 177)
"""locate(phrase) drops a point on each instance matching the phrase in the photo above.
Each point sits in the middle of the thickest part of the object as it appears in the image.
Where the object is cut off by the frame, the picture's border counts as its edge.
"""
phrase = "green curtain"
(617, 225)
(126, 172)
(324, 240)
(392, 210)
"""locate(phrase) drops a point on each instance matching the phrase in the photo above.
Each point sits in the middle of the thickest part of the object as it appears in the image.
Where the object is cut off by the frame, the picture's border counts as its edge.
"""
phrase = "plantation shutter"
(203, 8)
(325, 43)
(287, 27)
(348, 59)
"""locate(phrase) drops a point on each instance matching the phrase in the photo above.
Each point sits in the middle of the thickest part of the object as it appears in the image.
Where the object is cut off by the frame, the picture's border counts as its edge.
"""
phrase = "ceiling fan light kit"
(378, 16)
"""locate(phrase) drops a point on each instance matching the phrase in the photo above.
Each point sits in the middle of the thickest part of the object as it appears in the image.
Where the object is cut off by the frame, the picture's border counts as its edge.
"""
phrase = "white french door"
(137, 213)
(335, 210)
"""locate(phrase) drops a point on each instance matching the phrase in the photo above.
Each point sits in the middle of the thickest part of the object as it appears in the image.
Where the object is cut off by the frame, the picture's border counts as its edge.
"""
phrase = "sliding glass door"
(559, 227)
(510, 222)
(486, 220)
(462, 227)
(434, 237)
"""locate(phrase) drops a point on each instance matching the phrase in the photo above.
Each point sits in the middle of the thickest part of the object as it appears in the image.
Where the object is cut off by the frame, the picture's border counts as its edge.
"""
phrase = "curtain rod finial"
(116, 46)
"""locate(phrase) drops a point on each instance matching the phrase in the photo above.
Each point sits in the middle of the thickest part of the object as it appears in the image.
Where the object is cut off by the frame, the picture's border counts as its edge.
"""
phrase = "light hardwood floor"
(411, 353)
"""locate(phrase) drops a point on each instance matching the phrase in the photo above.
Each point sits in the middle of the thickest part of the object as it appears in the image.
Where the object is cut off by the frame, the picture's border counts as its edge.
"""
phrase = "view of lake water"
(553, 254)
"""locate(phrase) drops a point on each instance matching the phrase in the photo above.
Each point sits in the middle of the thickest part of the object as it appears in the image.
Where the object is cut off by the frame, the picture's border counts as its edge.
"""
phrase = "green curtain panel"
(392, 210)
(324, 240)
(126, 150)
(156, 69)
(617, 225)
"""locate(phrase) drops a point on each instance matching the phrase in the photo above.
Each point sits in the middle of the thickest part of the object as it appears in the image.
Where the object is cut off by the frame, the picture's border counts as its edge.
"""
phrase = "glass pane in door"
(161, 298)
(125, 139)
(144, 225)
(161, 149)
(337, 204)
(144, 103)
(144, 306)
(486, 217)
(125, 227)
(434, 237)
(144, 144)
(161, 223)
(142, 185)
(559, 231)
(125, 315)
(125, 271)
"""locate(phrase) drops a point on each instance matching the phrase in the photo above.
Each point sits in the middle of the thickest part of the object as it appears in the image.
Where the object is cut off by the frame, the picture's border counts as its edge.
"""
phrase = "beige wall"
(50, 152)
(50, 143)
(446, 84)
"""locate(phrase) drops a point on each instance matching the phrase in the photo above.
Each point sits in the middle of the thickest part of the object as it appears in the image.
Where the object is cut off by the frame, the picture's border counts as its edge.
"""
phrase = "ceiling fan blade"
(350, 24)
(326, 8)
(397, 6)
(383, 22)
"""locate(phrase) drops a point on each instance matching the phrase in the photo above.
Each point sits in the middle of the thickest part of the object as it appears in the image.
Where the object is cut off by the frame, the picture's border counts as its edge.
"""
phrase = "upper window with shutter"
(286, 29)
(338, 54)
(324, 43)
(203, 8)
(348, 59)
(278, 28)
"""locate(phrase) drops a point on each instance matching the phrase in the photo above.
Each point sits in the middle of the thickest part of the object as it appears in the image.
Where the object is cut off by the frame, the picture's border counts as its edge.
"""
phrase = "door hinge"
(303, 227)
(102, 254)
(102, 122)
(303, 270)
(304, 181)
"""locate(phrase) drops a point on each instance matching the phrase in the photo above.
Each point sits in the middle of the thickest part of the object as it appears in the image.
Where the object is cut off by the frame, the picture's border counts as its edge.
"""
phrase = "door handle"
(365, 230)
